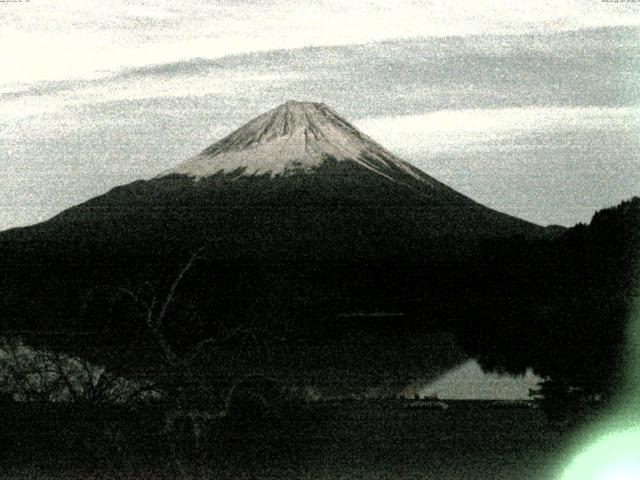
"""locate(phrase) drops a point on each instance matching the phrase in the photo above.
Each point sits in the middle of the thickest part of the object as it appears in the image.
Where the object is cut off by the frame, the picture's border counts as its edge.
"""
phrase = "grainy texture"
(299, 300)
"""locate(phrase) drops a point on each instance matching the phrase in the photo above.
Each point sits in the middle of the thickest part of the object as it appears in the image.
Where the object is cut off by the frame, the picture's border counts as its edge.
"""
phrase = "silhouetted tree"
(193, 400)
(561, 306)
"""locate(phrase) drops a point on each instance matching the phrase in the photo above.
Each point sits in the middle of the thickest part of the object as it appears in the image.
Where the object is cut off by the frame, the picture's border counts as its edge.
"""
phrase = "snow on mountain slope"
(298, 137)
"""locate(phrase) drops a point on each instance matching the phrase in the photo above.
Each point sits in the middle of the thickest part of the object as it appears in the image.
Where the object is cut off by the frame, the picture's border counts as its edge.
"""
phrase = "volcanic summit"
(297, 137)
(302, 217)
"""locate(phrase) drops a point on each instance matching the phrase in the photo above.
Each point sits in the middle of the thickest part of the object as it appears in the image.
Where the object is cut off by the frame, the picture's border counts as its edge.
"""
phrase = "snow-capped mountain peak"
(295, 137)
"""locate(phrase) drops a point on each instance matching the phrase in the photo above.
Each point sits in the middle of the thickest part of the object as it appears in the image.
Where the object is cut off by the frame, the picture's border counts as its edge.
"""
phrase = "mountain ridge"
(288, 252)
(298, 137)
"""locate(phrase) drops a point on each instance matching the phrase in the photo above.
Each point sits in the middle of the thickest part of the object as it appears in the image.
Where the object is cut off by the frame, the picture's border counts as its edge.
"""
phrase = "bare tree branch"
(177, 281)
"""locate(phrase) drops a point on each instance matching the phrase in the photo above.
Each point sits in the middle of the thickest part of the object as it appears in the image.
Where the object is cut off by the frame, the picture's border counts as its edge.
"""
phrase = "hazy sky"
(528, 107)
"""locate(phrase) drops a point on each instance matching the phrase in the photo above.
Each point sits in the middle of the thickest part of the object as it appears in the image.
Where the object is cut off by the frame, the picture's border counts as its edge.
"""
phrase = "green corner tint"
(610, 450)
(615, 456)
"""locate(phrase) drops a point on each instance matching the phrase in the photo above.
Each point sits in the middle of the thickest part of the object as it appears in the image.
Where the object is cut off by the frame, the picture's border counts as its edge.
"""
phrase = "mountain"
(298, 178)
(310, 139)
(304, 220)
(297, 138)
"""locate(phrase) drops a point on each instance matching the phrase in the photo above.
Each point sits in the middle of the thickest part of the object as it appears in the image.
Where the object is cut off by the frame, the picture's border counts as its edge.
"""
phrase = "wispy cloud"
(534, 125)
(504, 130)
(546, 164)
(54, 40)
(589, 67)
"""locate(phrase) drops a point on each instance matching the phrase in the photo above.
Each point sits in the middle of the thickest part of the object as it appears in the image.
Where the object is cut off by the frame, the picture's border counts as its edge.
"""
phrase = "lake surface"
(325, 441)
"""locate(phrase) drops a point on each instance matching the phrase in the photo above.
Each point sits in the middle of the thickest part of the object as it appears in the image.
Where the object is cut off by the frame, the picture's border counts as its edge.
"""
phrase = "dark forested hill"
(320, 245)
(563, 306)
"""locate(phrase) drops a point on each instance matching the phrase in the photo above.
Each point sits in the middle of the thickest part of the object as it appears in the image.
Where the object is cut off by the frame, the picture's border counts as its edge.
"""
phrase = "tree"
(31, 375)
(183, 376)
(67, 397)
(562, 307)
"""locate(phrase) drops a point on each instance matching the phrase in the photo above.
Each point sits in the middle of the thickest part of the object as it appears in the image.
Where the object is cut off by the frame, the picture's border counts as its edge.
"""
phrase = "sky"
(528, 107)
(531, 108)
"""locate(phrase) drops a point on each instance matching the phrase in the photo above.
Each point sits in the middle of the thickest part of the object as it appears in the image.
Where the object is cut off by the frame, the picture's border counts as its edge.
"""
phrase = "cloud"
(55, 98)
(497, 129)
(53, 40)
(594, 67)
(545, 164)
(537, 126)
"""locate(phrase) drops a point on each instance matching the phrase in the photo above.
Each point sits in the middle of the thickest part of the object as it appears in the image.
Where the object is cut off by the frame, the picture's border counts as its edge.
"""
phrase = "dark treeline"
(282, 279)
(562, 306)
(283, 260)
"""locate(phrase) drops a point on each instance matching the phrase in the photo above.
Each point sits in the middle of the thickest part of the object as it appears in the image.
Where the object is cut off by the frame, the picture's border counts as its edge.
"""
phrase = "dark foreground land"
(322, 441)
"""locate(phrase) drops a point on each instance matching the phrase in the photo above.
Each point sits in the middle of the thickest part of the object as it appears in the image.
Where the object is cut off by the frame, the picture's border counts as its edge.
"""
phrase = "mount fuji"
(304, 220)
(297, 138)
(298, 181)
